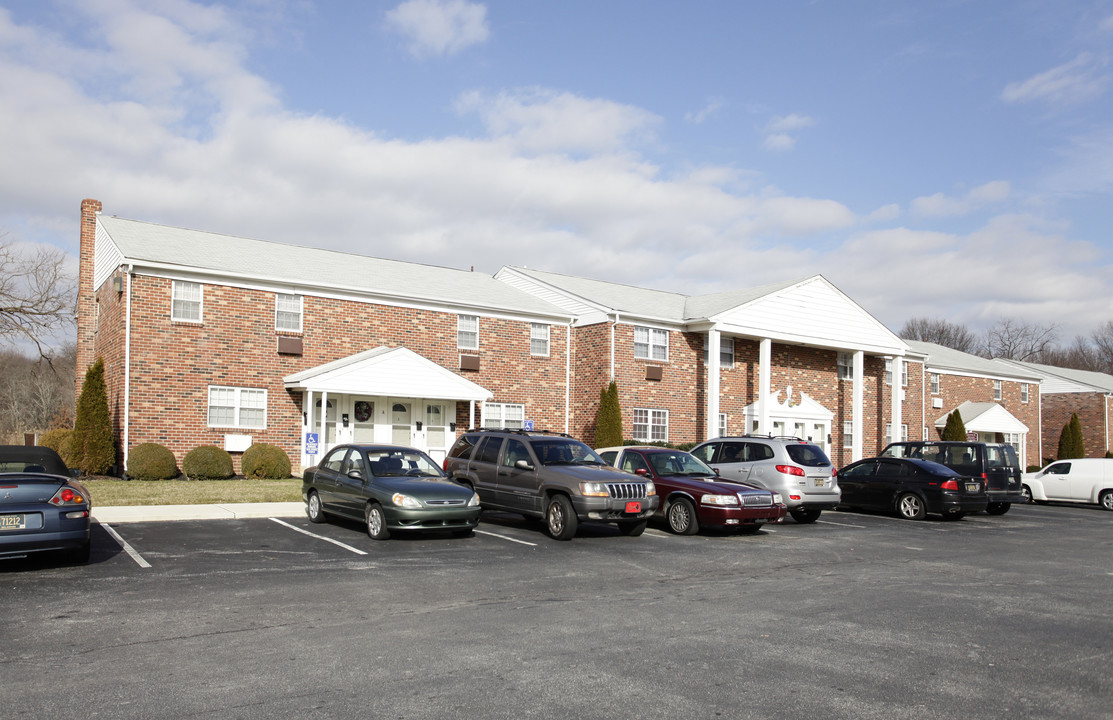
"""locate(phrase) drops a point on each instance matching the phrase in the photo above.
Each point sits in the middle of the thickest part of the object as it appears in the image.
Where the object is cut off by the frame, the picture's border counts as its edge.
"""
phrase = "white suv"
(797, 469)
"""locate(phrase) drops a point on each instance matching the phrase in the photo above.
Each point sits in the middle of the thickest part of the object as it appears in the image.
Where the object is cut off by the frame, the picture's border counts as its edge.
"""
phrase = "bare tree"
(1103, 347)
(940, 332)
(1015, 340)
(36, 295)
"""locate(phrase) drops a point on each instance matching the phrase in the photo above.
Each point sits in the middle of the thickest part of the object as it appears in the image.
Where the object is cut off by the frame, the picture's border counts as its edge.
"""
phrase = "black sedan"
(910, 487)
(42, 508)
(390, 488)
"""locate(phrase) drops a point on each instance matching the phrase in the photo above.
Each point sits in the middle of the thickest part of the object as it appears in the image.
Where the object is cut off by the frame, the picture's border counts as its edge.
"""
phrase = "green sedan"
(391, 489)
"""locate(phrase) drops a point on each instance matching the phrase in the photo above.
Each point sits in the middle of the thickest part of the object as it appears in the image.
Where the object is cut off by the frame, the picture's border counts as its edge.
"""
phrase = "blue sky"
(943, 159)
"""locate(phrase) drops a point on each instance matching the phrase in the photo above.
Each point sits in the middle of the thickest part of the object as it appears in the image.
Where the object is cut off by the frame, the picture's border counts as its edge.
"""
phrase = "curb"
(231, 511)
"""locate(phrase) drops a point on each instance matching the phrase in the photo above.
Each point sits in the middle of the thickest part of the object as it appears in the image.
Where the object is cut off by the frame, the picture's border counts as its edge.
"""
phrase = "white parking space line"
(126, 546)
(357, 551)
(828, 522)
(506, 537)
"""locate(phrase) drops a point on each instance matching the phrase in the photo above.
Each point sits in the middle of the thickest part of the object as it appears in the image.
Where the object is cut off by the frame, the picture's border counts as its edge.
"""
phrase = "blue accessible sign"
(527, 424)
(311, 443)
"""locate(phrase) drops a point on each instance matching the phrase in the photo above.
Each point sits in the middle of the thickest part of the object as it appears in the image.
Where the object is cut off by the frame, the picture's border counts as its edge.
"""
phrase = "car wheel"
(376, 522)
(911, 507)
(749, 529)
(560, 518)
(997, 508)
(1106, 499)
(805, 515)
(313, 508)
(681, 517)
(632, 529)
(1027, 493)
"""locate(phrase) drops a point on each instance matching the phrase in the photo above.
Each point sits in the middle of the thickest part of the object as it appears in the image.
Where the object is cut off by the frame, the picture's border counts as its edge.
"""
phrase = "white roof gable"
(986, 417)
(393, 372)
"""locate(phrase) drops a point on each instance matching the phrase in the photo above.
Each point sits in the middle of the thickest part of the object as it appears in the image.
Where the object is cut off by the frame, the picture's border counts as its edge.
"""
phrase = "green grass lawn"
(113, 491)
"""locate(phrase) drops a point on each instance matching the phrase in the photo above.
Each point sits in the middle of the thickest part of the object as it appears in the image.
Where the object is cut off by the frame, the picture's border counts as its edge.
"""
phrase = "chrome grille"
(626, 491)
(756, 499)
(445, 502)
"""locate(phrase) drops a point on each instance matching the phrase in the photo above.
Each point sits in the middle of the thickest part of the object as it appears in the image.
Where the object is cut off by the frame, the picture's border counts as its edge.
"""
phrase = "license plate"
(13, 522)
(972, 487)
(633, 507)
(819, 482)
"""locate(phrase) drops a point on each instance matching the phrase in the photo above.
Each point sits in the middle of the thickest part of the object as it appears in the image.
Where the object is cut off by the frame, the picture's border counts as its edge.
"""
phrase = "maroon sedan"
(692, 495)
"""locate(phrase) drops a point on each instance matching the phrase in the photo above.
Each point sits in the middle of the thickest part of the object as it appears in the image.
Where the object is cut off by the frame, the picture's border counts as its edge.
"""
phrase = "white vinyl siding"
(234, 407)
(186, 301)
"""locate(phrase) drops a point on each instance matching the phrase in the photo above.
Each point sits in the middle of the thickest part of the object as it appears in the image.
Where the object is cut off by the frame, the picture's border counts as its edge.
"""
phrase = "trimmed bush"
(151, 461)
(608, 425)
(208, 462)
(57, 440)
(266, 461)
(955, 429)
(92, 446)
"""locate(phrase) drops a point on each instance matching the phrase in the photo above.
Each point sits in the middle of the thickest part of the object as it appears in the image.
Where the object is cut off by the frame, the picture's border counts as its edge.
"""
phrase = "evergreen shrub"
(151, 461)
(263, 460)
(208, 462)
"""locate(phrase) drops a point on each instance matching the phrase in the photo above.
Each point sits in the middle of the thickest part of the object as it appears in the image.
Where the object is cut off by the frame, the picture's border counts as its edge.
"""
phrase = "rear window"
(463, 446)
(1003, 456)
(807, 455)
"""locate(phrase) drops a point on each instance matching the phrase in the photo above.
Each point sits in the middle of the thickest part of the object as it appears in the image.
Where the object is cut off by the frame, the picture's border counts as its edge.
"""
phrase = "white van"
(1087, 480)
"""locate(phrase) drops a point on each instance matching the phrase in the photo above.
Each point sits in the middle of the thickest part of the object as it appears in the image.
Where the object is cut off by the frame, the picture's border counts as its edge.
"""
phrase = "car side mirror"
(523, 465)
(355, 474)
(641, 471)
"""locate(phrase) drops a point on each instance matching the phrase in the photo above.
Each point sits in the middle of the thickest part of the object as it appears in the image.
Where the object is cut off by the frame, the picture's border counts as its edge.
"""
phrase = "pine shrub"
(608, 424)
(265, 461)
(93, 446)
(208, 462)
(57, 440)
(151, 461)
(1070, 439)
(955, 429)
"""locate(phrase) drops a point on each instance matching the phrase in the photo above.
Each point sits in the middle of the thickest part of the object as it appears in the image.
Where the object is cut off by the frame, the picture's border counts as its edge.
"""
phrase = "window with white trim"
(722, 424)
(934, 383)
(1014, 439)
(651, 425)
(846, 366)
(503, 415)
(287, 312)
(539, 339)
(904, 373)
(996, 389)
(848, 433)
(234, 407)
(889, 371)
(889, 432)
(726, 352)
(650, 343)
(1023, 392)
(467, 332)
(185, 301)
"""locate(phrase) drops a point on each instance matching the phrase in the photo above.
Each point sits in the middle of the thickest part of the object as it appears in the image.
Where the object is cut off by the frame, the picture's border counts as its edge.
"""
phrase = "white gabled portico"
(987, 421)
(384, 395)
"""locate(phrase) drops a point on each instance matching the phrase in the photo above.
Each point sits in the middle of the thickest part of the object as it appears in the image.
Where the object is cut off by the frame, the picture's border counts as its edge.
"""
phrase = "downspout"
(613, 326)
(924, 391)
(568, 377)
(127, 369)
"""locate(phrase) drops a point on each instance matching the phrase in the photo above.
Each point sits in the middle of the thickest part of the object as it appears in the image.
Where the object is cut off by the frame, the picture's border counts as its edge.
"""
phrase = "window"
(1014, 439)
(846, 366)
(651, 425)
(726, 352)
(287, 312)
(889, 372)
(848, 433)
(467, 332)
(889, 433)
(996, 389)
(538, 339)
(904, 373)
(185, 304)
(722, 424)
(1024, 392)
(935, 383)
(651, 344)
(503, 415)
(237, 407)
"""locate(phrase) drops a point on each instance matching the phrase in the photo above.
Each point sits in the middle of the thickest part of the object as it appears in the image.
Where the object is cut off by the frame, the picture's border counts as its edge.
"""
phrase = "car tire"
(376, 522)
(1027, 493)
(632, 528)
(1105, 500)
(805, 516)
(911, 507)
(997, 508)
(560, 518)
(313, 508)
(681, 517)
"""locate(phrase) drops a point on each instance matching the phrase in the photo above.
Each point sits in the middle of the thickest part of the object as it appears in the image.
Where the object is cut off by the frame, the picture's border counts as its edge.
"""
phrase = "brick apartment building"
(211, 339)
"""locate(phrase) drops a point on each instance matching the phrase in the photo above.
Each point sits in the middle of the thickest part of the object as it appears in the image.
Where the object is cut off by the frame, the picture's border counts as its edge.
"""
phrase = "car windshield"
(565, 452)
(807, 455)
(394, 463)
(678, 463)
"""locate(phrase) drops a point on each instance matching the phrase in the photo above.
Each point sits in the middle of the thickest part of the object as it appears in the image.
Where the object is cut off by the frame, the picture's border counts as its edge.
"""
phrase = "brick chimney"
(86, 299)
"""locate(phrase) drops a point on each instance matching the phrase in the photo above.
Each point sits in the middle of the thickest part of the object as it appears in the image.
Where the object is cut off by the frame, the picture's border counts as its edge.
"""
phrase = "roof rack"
(770, 436)
(520, 431)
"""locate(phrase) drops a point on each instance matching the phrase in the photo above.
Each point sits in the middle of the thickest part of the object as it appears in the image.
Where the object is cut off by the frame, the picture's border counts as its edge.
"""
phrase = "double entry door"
(413, 422)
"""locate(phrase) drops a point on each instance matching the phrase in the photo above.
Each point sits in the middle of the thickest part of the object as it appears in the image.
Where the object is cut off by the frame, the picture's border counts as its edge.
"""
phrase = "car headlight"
(723, 500)
(650, 489)
(474, 500)
(594, 489)
(777, 499)
(405, 501)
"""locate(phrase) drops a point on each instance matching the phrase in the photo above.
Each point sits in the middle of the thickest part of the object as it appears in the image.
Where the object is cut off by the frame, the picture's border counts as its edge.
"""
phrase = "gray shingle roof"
(1101, 381)
(945, 358)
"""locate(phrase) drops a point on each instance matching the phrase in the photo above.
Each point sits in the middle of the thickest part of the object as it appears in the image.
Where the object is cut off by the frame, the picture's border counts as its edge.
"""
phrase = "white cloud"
(938, 205)
(439, 27)
(708, 111)
(1079, 80)
(885, 213)
(779, 131)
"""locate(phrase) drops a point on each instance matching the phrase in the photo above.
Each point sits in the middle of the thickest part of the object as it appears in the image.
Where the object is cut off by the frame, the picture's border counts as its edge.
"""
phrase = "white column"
(765, 385)
(858, 425)
(322, 437)
(712, 383)
(898, 383)
(306, 424)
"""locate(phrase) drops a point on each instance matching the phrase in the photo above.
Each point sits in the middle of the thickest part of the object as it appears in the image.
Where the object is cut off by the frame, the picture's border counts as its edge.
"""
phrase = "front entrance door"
(401, 429)
(435, 430)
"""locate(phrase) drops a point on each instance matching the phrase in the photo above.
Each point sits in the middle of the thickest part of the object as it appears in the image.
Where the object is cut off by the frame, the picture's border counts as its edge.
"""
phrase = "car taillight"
(67, 496)
(790, 470)
(950, 485)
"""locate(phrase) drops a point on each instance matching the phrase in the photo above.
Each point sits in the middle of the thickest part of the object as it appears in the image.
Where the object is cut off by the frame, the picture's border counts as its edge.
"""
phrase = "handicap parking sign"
(311, 443)
(527, 424)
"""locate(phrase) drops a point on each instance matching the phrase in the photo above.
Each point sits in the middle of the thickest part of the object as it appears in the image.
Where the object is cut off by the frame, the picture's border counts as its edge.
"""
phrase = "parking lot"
(856, 616)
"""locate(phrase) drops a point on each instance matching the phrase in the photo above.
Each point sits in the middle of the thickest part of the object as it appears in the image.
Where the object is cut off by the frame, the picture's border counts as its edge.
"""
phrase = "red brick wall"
(1093, 410)
(86, 303)
(956, 389)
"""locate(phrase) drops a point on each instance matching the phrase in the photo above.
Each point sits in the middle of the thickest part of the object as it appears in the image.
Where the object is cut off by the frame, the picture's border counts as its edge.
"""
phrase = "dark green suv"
(551, 476)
